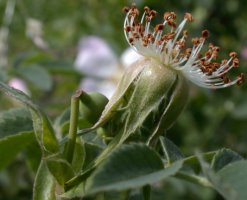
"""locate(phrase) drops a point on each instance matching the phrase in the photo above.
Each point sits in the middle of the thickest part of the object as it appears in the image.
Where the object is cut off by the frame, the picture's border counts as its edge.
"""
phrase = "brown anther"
(127, 28)
(235, 62)
(188, 16)
(188, 51)
(146, 9)
(152, 13)
(159, 27)
(172, 23)
(169, 36)
(233, 54)
(136, 35)
(241, 79)
(205, 34)
(131, 40)
(126, 9)
(225, 79)
(148, 18)
(169, 16)
(185, 33)
(216, 49)
(195, 41)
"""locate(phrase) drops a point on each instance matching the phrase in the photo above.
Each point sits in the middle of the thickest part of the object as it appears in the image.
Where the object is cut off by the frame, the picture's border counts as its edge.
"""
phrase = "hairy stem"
(74, 112)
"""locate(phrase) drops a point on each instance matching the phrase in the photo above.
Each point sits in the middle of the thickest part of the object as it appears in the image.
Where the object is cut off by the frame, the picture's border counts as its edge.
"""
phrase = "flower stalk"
(74, 113)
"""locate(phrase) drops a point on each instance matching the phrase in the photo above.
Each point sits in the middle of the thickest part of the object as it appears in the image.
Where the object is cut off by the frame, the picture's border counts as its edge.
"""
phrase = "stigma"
(167, 43)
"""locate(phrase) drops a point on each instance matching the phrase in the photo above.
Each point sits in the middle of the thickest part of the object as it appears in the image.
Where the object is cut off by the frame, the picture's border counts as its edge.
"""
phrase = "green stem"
(146, 192)
(126, 194)
(74, 113)
(194, 179)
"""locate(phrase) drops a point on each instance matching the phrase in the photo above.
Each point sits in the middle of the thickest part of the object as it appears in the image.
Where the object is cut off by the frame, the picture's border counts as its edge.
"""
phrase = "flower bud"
(147, 101)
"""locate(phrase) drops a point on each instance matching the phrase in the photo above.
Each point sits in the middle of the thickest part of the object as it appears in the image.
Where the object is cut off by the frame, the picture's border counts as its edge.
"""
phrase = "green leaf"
(130, 166)
(14, 121)
(171, 151)
(234, 176)
(36, 75)
(223, 157)
(44, 185)
(91, 151)
(59, 168)
(43, 130)
(45, 134)
(219, 185)
(10, 146)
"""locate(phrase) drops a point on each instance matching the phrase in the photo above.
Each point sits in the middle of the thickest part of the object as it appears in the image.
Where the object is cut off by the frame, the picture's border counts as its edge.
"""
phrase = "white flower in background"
(34, 30)
(129, 56)
(166, 43)
(19, 84)
(101, 67)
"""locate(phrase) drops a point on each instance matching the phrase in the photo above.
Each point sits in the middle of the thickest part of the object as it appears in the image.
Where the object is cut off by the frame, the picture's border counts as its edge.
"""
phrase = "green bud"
(148, 100)
(91, 105)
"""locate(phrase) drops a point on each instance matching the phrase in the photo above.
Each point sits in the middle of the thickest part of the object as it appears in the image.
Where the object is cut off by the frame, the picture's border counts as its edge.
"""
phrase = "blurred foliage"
(212, 119)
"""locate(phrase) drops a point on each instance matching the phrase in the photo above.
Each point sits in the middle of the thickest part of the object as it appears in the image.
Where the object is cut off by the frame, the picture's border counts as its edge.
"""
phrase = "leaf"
(45, 134)
(44, 185)
(59, 168)
(36, 75)
(91, 151)
(171, 151)
(223, 157)
(14, 121)
(43, 130)
(234, 175)
(10, 146)
(130, 166)
(219, 185)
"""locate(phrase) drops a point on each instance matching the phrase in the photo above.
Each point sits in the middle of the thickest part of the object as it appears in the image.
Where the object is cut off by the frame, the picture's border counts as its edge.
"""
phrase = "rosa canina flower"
(153, 90)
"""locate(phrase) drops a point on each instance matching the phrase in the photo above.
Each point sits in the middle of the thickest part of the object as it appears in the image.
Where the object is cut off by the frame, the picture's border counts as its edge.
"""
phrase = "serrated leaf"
(130, 166)
(10, 146)
(44, 185)
(59, 168)
(14, 121)
(37, 75)
(223, 157)
(43, 130)
(234, 176)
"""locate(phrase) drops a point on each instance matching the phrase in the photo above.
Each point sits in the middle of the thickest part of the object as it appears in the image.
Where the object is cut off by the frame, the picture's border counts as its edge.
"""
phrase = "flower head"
(167, 42)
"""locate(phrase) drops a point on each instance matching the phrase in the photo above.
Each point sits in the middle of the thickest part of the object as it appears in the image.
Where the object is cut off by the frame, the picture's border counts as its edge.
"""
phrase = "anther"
(205, 34)
(128, 28)
(235, 62)
(233, 54)
(159, 27)
(188, 16)
(126, 9)
(241, 79)
(169, 16)
(146, 9)
(153, 13)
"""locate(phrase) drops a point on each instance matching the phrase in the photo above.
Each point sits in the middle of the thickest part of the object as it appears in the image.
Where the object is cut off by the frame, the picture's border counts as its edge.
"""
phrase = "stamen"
(169, 47)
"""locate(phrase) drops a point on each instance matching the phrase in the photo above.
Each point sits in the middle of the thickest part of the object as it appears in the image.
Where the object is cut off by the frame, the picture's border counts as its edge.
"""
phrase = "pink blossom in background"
(95, 58)
(102, 69)
(244, 53)
(19, 85)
